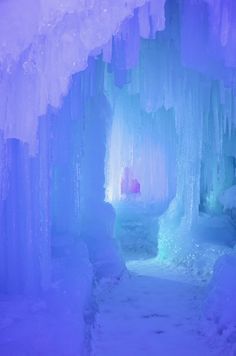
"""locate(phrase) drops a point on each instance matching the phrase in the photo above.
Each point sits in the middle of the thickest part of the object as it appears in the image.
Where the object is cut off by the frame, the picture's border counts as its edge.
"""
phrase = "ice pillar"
(97, 216)
(24, 216)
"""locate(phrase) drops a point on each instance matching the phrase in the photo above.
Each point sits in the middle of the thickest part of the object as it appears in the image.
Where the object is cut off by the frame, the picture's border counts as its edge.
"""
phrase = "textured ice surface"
(42, 44)
(212, 25)
(173, 127)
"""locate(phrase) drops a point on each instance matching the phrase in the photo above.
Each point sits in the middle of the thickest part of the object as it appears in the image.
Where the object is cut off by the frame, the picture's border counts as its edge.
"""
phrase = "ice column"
(97, 217)
(25, 216)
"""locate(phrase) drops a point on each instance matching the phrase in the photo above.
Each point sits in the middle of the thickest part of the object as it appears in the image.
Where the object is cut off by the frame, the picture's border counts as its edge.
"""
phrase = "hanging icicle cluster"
(175, 73)
(44, 46)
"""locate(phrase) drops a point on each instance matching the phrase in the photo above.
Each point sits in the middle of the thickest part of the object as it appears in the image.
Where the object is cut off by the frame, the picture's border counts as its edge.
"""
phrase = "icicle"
(157, 13)
(107, 52)
(144, 21)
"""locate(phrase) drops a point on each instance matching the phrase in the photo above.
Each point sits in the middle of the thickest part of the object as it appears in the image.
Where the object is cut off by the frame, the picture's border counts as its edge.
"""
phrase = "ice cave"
(117, 177)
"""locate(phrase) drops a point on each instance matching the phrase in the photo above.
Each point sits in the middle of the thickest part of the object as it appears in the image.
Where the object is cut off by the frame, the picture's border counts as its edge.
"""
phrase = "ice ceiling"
(47, 42)
(158, 76)
(72, 30)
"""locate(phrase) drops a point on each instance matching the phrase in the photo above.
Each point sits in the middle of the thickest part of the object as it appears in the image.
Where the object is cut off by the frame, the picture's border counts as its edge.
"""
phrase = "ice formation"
(115, 107)
(41, 161)
(205, 119)
(174, 125)
(171, 120)
(31, 78)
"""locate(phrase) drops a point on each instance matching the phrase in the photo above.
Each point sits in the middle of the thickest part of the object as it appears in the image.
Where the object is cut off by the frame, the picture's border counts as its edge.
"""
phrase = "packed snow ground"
(52, 324)
(151, 311)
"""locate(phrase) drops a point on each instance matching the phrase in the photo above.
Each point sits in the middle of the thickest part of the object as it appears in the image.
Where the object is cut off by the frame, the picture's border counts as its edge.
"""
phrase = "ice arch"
(196, 80)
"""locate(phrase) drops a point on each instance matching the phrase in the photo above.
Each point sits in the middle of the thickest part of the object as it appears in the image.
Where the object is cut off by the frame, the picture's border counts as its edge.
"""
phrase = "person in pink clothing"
(129, 185)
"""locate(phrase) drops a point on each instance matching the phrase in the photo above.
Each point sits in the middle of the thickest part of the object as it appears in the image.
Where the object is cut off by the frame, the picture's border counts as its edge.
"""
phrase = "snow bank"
(218, 230)
(220, 306)
(228, 198)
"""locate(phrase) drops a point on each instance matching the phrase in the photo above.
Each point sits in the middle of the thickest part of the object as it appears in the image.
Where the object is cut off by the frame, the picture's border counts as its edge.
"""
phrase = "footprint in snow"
(155, 315)
(158, 332)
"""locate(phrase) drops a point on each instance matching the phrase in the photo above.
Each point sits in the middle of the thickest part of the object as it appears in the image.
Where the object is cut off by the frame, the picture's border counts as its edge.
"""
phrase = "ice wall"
(178, 70)
(205, 121)
(25, 236)
(41, 197)
(53, 203)
(212, 25)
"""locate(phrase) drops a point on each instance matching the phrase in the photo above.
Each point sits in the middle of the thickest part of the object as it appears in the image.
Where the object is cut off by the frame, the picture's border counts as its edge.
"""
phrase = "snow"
(220, 305)
(151, 311)
(228, 198)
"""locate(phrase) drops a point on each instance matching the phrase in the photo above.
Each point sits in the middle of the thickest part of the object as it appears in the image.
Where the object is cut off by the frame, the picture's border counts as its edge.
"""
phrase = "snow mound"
(228, 198)
(220, 306)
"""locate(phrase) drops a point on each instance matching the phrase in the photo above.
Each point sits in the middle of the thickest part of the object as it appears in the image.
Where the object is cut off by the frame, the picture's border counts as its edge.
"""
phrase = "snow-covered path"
(152, 312)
